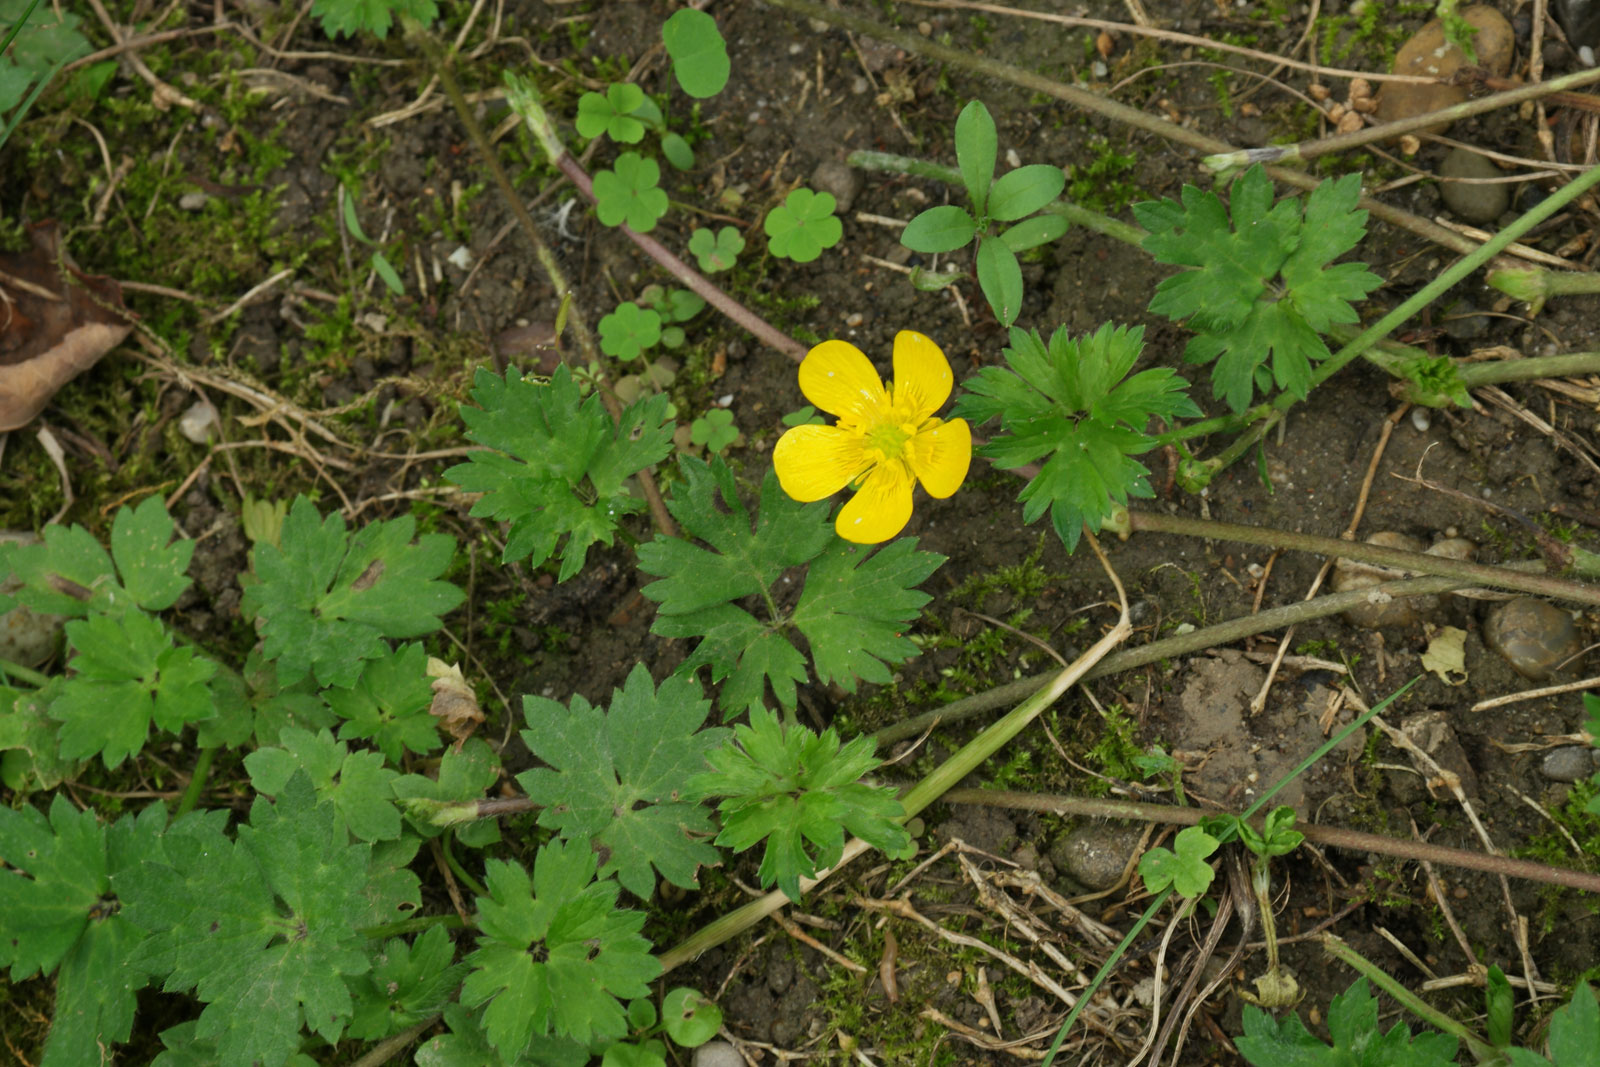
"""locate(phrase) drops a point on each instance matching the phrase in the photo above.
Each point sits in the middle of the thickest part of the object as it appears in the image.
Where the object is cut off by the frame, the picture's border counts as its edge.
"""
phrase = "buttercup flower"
(886, 440)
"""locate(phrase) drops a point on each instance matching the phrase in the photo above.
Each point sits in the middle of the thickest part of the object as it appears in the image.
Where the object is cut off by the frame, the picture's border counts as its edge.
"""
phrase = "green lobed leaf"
(64, 573)
(30, 740)
(346, 18)
(127, 675)
(363, 794)
(407, 983)
(1357, 1040)
(464, 775)
(630, 193)
(328, 598)
(856, 606)
(559, 466)
(1074, 402)
(716, 252)
(797, 791)
(1182, 867)
(610, 113)
(468, 1046)
(803, 225)
(389, 704)
(151, 563)
(699, 55)
(690, 1018)
(614, 777)
(589, 952)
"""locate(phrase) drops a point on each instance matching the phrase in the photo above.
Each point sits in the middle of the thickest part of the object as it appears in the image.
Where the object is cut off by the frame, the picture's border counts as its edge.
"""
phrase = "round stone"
(1569, 763)
(1096, 853)
(1531, 635)
(1471, 200)
(838, 178)
(717, 1054)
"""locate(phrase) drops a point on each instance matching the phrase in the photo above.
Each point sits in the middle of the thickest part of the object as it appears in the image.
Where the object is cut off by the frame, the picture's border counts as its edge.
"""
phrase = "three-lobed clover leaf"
(1074, 402)
(328, 597)
(363, 796)
(611, 113)
(630, 193)
(58, 910)
(559, 466)
(798, 791)
(555, 952)
(614, 777)
(1257, 328)
(389, 704)
(853, 622)
(803, 225)
(714, 430)
(716, 252)
(1357, 1039)
(265, 928)
(1183, 867)
(346, 18)
(629, 331)
(127, 674)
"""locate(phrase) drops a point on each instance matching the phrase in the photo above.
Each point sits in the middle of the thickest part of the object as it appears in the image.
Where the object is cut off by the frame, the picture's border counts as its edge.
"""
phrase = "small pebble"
(192, 201)
(1099, 69)
(839, 179)
(1471, 201)
(1569, 763)
(1096, 853)
(1421, 419)
(854, 319)
(717, 1054)
(1531, 635)
(199, 422)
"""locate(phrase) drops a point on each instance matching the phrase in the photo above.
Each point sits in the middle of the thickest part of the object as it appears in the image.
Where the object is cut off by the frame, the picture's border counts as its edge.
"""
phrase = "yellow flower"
(887, 437)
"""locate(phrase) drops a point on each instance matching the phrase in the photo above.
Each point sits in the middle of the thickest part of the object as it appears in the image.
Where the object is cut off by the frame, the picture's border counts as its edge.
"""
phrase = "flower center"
(889, 439)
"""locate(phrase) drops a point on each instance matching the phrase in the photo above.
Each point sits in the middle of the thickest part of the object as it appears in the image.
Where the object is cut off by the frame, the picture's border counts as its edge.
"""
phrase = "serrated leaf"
(265, 928)
(464, 775)
(468, 1046)
(328, 598)
(62, 574)
(1072, 401)
(389, 704)
(1357, 1041)
(797, 791)
(151, 563)
(127, 675)
(349, 17)
(560, 465)
(857, 604)
(363, 794)
(407, 983)
(589, 953)
(30, 740)
(614, 777)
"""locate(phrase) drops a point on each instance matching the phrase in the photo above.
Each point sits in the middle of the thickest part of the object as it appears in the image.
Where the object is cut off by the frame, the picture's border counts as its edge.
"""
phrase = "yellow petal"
(881, 507)
(817, 461)
(939, 456)
(837, 378)
(922, 378)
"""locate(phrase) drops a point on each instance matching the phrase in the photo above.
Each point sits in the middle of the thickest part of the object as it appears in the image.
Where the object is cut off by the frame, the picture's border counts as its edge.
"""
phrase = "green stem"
(1532, 368)
(455, 865)
(1407, 999)
(197, 781)
(413, 925)
(32, 677)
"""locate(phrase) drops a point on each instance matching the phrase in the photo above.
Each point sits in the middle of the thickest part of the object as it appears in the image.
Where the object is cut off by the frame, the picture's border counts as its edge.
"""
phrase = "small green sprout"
(673, 306)
(714, 430)
(699, 55)
(629, 331)
(716, 252)
(611, 113)
(803, 225)
(630, 193)
(806, 416)
(1186, 869)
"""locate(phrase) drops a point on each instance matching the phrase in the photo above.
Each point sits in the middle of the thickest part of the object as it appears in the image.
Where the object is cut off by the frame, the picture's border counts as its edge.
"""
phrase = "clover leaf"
(716, 252)
(610, 113)
(629, 331)
(1186, 870)
(714, 430)
(630, 193)
(803, 225)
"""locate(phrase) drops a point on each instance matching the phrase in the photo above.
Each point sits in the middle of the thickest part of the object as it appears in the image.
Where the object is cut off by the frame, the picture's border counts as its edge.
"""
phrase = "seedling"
(672, 307)
(803, 225)
(629, 331)
(630, 193)
(716, 252)
(714, 431)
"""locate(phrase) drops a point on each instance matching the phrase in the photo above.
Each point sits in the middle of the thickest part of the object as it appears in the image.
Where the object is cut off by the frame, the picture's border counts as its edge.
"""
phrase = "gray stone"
(1569, 763)
(717, 1054)
(1096, 853)
(192, 201)
(1531, 635)
(840, 179)
(1471, 201)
